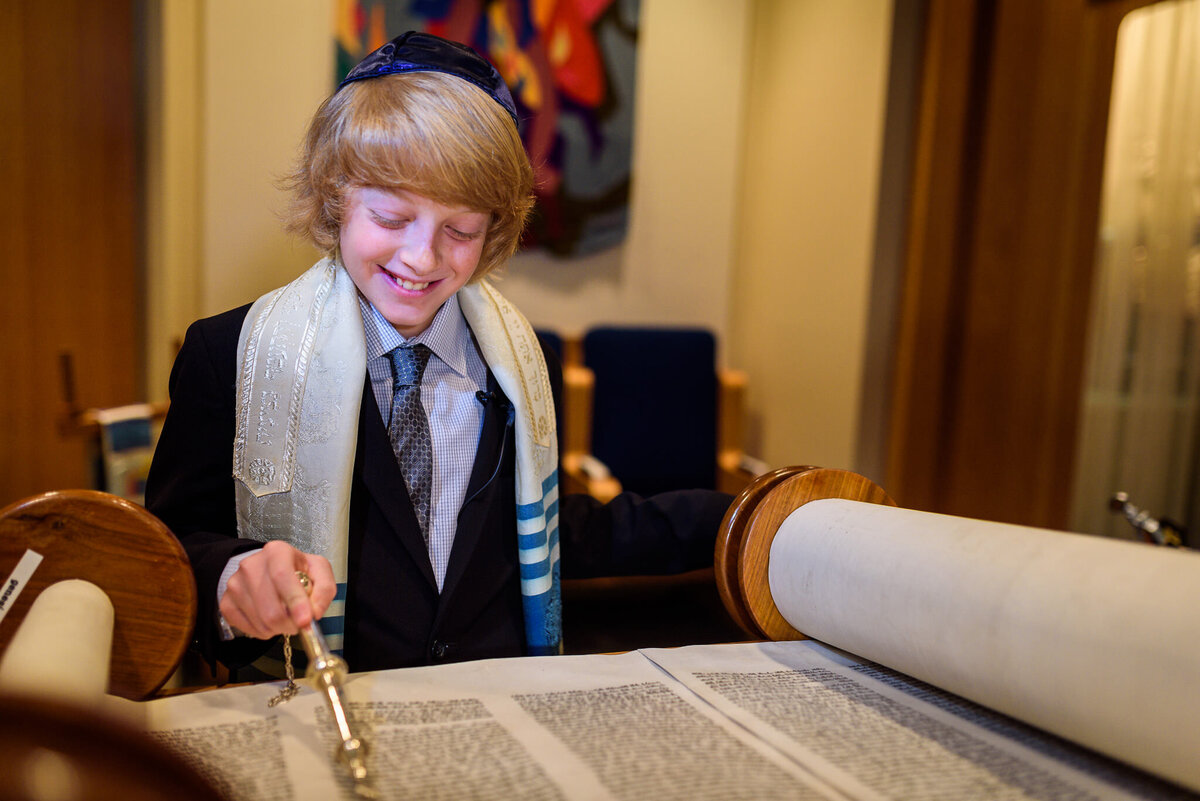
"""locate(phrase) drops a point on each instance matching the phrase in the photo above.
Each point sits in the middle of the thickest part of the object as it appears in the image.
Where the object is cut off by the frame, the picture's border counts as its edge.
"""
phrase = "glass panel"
(1139, 408)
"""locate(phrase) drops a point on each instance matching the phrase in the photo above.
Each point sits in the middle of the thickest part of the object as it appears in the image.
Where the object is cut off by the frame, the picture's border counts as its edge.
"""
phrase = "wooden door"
(69, 199)
(1004, 213)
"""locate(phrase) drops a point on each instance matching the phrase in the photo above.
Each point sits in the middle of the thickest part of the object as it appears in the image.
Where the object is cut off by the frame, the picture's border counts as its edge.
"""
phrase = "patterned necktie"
(409, 429)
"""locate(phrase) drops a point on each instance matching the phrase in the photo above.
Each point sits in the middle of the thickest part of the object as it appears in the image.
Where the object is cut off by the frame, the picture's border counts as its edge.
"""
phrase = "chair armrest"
(579, 384)
(732, 477)
(731, 409)
(734, 468)
(584, 474)
(572, 349)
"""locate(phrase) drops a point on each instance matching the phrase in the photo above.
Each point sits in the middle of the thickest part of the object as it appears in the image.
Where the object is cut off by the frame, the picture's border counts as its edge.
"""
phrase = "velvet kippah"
(423, 52)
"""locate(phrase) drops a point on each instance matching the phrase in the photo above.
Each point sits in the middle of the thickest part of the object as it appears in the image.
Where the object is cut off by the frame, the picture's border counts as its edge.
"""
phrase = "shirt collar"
(448, 335)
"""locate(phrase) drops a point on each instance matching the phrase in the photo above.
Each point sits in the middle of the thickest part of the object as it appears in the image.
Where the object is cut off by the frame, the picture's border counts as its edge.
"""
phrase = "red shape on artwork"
(574, 57)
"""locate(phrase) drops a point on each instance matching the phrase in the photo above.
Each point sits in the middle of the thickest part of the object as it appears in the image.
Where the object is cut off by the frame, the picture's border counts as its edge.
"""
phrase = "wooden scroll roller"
(98, 597)
(1091, 638)
(60, 750)
(744, 542)
(123, 550)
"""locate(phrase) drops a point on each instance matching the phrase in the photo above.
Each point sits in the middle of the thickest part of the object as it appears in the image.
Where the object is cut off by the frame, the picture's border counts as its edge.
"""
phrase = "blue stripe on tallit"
(334, 626)
(532, 540)
(535, 570)
(543, 611)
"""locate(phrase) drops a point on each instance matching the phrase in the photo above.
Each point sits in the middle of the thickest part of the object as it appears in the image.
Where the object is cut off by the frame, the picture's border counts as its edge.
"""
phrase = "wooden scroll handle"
(743, 548)
(128, 553)
(54, 749)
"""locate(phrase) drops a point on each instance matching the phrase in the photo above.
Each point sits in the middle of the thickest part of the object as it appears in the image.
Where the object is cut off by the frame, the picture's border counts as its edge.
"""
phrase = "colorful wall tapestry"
(570, 65)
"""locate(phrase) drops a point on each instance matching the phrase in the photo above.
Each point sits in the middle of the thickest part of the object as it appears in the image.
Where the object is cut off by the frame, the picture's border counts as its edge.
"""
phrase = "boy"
(390, 415)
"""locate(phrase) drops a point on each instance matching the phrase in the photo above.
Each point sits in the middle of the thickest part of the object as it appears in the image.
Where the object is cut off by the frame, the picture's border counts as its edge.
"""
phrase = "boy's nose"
(418, 251)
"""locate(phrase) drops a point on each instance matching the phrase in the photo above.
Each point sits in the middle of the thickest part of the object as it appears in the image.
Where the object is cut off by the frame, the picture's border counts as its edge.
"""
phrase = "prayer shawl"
(301, 362)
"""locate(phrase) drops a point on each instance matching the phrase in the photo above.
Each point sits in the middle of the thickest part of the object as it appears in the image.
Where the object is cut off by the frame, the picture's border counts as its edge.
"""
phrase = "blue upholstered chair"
(646, 409)
(552, 339)
(662, 415)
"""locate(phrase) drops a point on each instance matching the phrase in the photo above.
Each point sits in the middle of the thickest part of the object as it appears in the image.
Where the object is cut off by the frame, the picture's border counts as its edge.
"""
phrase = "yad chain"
(289, 690)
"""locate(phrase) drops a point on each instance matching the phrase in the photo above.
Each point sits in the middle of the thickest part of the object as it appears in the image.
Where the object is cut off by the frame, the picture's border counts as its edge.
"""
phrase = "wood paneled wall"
(68, 212)
(1004, 211)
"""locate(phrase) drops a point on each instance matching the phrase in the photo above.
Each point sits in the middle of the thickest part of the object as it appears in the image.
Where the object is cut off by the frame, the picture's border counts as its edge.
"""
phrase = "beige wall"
(806, 224)
(252, 129)
(756, 153)
(173, 198)
(239, 82)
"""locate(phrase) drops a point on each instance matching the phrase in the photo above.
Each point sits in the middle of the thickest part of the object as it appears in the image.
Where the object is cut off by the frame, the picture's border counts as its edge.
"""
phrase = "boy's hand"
(264, 597)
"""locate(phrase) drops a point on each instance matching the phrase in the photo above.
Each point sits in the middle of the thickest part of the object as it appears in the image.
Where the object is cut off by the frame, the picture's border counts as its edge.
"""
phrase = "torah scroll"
(62, 647)
(1092, 639)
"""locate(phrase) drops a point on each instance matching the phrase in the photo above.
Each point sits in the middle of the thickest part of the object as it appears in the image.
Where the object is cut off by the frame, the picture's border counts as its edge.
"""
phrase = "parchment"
(566, 727)
(874, 733)
(1090, 638)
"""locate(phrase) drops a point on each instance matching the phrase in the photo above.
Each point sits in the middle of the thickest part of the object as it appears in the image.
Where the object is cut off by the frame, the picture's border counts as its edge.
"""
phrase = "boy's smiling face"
(408, 254)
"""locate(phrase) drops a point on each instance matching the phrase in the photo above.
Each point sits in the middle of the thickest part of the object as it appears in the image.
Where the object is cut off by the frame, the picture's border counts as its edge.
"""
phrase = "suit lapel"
(382, 478)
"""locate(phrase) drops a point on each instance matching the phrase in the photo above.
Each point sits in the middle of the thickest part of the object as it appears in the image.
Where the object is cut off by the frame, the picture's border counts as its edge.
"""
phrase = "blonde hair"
(425, 132)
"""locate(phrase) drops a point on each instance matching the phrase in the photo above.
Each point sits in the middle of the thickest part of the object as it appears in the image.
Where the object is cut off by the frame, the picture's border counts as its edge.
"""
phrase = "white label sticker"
(17, 580)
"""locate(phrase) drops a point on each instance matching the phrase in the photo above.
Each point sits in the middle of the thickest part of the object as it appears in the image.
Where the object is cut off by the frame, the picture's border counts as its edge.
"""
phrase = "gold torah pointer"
(326, 672)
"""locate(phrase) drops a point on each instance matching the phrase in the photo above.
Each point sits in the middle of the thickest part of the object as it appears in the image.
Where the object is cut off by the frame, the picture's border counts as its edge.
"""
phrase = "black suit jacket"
(394, 614)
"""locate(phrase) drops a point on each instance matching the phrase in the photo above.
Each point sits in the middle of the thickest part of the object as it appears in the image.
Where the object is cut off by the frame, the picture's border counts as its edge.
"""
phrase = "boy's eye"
(386, 222)
(462, 236)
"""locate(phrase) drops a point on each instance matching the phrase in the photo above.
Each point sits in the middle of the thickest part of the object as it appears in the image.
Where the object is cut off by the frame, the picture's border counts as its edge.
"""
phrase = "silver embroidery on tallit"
(297, 413)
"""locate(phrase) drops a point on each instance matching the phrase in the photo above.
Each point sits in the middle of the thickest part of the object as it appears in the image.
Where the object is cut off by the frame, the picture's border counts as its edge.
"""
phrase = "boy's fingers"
(324, 586)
